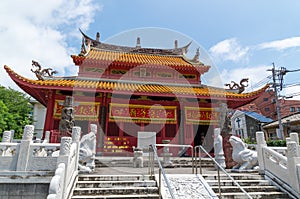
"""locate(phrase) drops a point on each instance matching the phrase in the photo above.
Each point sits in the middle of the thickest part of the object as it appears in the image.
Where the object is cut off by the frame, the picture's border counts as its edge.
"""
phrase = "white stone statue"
(87, 150)
(246, 158)
(218, 148)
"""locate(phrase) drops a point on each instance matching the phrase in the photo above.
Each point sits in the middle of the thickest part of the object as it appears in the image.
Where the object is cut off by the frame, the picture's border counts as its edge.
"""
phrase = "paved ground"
(129, 170)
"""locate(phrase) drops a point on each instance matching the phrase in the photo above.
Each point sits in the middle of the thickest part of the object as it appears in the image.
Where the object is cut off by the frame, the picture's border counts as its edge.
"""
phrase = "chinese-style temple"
(126, 90)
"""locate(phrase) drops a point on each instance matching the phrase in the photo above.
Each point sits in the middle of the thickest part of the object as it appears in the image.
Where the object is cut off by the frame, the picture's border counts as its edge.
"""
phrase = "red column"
(49, 115)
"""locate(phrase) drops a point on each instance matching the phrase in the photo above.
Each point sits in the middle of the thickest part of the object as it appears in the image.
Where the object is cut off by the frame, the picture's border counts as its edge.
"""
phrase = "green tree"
(15, 111)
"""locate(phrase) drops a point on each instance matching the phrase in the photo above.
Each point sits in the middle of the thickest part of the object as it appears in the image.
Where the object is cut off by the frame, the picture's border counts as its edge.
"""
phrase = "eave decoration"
(42, 73)
(238, 88)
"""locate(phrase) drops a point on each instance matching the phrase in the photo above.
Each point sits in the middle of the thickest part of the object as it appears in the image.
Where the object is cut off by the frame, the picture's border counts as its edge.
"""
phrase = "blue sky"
(242, 38)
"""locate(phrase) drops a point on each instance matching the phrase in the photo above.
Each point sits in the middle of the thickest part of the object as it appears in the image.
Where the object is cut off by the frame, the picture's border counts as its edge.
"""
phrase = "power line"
(277, 76)
(260, 83)
(291, 85)
(296, 70)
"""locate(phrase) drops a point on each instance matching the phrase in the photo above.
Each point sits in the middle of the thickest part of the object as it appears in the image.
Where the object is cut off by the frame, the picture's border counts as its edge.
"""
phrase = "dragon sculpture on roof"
(42, 73)
(239, 88)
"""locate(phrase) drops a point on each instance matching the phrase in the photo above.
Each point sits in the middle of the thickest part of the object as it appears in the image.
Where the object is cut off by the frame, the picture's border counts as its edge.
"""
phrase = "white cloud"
(229, 49)
(293, 91)
(40, 30)
(281, 44)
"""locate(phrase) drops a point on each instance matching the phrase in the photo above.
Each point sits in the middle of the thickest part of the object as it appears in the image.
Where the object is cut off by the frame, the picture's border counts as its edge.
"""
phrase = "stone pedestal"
(166, 155)
(138, 161)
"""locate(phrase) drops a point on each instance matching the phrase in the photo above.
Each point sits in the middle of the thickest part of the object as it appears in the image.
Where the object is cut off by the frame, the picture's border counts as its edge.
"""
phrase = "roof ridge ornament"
(94, 43)
(239, 88)
(42, 73)
(196, 57)
(98, 36)
(138, 42)
(85, 46)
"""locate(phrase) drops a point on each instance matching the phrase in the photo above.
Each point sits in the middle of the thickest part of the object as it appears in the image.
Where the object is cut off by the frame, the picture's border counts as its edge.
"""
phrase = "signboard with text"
(83, 111)
(196, 115)
(143, 113)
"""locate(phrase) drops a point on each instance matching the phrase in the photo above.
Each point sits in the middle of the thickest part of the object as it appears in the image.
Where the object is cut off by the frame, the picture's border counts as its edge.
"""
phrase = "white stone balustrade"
(26, 158)
(286, 169)
(69, 154)
(56, 183)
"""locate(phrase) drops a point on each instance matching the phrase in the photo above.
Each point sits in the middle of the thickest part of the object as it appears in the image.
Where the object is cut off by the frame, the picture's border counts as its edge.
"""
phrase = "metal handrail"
(152, 149)
(219, 168)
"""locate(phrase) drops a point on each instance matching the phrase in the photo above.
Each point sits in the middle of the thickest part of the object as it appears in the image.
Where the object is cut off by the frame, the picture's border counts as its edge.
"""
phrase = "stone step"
(233, 189)
(141, 196)
(110, 184)
(116, 191)
(115, 186)
(252, 182)
(240, 182)
(91, 177)
(256, 195)
(236, 176)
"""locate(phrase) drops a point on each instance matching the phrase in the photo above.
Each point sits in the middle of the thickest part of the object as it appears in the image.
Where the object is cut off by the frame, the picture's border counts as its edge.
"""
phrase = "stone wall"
(24, 191)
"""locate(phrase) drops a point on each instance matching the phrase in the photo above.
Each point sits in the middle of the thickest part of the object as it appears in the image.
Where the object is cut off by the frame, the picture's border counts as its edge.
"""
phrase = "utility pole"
(278, 84)
(279, 74)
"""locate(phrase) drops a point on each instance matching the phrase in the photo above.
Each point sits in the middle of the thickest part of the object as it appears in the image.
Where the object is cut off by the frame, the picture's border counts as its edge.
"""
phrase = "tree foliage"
(15, 111)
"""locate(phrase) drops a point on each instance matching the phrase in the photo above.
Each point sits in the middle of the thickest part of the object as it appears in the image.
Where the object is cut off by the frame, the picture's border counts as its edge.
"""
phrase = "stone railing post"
(292, 160)
(138, 161)
(12, 135)
(6, 138)
(261, 142)
(76, 133)
(166, 154)
(24, 148)
(47, 137)
(65, 147)
(295, 137)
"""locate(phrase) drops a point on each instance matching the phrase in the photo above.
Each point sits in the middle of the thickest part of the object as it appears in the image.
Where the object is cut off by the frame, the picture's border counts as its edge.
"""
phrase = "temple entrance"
(200, 132)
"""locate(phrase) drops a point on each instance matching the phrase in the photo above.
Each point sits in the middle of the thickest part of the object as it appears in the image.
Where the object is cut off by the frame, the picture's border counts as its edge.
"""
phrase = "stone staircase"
(112, 185)
(115, 187)
(253, 183)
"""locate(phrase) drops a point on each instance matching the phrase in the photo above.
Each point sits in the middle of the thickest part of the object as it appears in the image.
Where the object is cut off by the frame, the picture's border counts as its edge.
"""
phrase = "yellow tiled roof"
(114, 86)
(138, 58)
